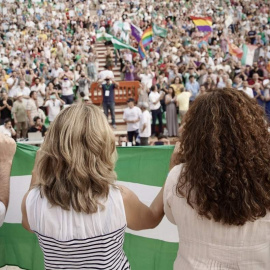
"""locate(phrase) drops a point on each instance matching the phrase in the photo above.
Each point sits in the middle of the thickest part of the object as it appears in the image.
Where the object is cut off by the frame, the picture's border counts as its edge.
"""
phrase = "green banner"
(144, 167)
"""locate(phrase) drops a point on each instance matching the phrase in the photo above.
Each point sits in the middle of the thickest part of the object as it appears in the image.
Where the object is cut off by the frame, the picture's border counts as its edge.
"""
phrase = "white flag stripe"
(19, 185)
(165, 231)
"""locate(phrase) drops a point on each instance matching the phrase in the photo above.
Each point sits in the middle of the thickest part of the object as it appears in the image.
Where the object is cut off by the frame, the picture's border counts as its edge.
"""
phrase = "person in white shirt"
(53, 103)
(7, 128)
(22, 90)
(40, 89)
(247, 89)
(106, 73)
(56, 71)
(208, 61)
(132, 118)
(67, 91)
(145, 124)
(7, 151)
(224, 67)
(147, 77)
(155, 107)
(4, 60)
(12, 83)
(32, 108)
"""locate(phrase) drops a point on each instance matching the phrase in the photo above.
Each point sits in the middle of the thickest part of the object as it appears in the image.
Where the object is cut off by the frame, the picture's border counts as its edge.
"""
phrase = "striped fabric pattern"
(99, 253)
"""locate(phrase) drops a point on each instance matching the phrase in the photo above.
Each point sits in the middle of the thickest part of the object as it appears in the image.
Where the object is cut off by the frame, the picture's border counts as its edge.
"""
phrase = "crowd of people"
(217, 190)
(48, 57)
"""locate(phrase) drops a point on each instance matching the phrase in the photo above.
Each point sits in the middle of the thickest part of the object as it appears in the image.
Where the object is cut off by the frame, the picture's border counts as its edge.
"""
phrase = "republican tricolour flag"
(203, 24)
(142, 169)
(248, 54)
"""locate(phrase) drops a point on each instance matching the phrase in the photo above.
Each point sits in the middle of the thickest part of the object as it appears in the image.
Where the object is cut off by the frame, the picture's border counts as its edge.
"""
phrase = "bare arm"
(25, 222)
(29, 117)
(139, 216)
(115, 83)
(174, 158)
(9, 107)
(7, 151)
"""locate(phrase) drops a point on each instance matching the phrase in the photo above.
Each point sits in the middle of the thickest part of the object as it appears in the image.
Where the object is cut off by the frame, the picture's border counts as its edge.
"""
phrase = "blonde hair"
(77, 159)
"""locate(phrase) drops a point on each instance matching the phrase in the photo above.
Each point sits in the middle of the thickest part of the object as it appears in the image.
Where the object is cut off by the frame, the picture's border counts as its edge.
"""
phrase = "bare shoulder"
(125, 192)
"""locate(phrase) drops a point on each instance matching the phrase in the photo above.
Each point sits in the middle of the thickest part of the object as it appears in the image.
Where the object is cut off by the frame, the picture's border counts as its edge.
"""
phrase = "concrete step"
(118, 133)
(115, 72)
(118, 111)
(115, 69)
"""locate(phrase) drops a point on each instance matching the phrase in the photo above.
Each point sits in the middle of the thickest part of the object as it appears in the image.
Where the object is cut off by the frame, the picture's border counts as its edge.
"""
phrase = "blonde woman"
(74, 205)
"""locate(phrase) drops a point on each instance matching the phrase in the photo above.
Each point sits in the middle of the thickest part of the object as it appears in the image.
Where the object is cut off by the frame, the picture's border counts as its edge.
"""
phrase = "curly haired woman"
(219, 193)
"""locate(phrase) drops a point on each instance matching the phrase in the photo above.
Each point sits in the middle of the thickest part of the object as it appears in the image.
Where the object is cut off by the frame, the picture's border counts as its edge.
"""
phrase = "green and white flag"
(142, 169)
(117, 44)
(249, 53)
(103, 37)
(159, 31)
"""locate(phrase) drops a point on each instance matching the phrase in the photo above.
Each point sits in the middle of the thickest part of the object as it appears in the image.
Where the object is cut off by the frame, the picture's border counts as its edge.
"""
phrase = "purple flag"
(136, 32)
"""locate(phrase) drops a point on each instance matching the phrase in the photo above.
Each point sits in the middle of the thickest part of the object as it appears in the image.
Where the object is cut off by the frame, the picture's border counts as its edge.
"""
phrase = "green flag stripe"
(159, 31)
(20, 248)
(244, 57)
(143, 165)
(120, 45)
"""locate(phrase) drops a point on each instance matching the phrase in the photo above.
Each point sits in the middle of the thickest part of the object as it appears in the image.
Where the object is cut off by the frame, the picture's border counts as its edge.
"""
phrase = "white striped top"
(208, 245)
(71, 240)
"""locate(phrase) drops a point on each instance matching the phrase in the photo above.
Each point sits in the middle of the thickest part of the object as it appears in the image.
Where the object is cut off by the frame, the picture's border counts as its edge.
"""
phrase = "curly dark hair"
(225, 148)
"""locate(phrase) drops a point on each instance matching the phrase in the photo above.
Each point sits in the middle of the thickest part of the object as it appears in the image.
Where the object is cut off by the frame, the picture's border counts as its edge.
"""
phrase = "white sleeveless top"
(72, 240)
(208, 245)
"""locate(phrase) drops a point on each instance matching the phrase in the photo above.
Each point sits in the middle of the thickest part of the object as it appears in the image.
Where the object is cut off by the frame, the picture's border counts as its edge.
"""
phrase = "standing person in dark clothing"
(5, 107)
(108, 98)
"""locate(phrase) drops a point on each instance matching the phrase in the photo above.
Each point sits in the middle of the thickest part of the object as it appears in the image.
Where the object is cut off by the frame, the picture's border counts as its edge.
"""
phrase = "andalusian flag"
(248, 54)
(159, 31)
(142, 169)
(103, 36)
(29, 4)
(117, 44)
(203, 24)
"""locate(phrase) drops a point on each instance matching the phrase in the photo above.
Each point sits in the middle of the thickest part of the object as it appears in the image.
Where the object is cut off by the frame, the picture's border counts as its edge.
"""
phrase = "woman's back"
(74, 240)
(206, 244)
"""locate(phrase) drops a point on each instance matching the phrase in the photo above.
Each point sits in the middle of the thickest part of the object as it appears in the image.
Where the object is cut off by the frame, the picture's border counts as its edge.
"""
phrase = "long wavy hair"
(225, 148)
(77, 159)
